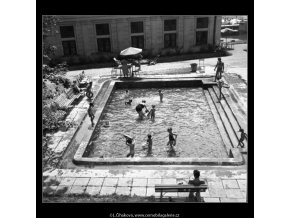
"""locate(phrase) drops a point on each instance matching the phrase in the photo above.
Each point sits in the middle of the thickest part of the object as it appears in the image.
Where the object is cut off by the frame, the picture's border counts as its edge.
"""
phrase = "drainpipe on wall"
(214, 29)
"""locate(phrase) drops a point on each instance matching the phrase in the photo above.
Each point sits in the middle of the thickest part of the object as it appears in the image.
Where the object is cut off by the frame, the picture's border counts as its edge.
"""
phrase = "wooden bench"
(179, 188)
(64, 100)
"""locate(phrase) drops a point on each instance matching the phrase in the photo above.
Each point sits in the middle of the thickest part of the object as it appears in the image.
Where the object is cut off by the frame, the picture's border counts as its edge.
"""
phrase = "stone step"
(230, 115)
(218, 121)
(237, 110)
(226, 123)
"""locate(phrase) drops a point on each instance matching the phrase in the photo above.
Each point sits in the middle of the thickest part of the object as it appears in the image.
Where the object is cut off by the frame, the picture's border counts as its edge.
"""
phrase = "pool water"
(184, 109)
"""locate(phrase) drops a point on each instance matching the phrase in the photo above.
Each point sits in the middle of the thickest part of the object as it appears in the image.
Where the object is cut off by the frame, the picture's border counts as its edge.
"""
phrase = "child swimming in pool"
(151, 113)
(131, 143)
(172, 140)
(160, 95)
(149, 143)
(129, 101)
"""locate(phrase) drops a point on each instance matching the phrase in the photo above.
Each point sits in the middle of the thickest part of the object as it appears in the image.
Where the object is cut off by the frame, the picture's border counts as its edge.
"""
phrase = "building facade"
(87, 34)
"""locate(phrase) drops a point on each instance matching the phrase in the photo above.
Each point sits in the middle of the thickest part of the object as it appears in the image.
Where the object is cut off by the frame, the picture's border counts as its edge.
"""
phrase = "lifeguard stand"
(201, 67)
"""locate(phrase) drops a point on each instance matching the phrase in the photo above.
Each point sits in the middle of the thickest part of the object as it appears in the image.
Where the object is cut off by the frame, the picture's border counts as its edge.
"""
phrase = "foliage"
(48, 27)
(147, 53)
(179, 50)
(56, 74)
(52, 120)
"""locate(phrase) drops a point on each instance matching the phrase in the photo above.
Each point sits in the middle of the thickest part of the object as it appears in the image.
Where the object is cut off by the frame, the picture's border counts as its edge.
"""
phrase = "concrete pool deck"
(226, 184)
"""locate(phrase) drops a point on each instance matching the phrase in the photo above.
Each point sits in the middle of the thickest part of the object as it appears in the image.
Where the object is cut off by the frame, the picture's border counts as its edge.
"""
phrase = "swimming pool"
(184, 109)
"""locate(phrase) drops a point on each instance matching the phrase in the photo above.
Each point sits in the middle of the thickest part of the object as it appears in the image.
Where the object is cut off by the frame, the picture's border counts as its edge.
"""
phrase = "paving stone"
(110, 182)
(62, 190)
(49, 190)
(205, 194)
(81, 181)
(211, 199)
(233, 200)
(234, 193)
(216, 183)
(153, 182)
(93, 190)
(51, 180)
(67, 181)
(96, 182)
(76, 189)
(139, 182)
(123, 190)
(139, 191)
(244, 192)
(217, 192)
(125, 182)
(242, 183)
(230, 183)
(151, 191)
(169, 181)
(107, 190)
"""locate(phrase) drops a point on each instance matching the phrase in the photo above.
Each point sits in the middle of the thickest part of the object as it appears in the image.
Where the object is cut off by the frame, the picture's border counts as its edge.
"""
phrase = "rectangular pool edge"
(78, 159)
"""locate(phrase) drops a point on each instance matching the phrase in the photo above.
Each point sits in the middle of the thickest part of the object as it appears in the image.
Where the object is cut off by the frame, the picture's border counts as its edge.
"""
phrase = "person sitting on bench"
(76, 88)
(195, 182)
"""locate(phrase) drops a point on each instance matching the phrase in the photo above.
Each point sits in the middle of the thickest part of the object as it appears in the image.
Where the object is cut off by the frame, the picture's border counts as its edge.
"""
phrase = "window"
(103, 37)
(169, 25)
(137, 27)
(137, 34)
(170, 34)
(68, 40)
(102, 29)
(202, 22)
(137, 41)
(69, 47)
(67, 32)
(201, 37)
(169, 40)
(104, 45)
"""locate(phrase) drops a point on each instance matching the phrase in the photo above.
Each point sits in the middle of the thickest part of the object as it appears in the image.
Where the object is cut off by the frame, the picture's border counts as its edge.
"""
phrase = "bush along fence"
(105, 59)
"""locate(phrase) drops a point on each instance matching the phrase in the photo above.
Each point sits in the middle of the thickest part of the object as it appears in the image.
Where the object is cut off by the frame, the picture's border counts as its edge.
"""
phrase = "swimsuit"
(171, 138)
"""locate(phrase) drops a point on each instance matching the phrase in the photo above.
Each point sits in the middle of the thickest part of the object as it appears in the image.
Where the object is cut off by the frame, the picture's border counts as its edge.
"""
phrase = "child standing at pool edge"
(172, 140)
(91, 114)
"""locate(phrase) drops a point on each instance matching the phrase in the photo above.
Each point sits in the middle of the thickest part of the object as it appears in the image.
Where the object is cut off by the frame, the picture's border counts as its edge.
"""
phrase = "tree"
(49, 24)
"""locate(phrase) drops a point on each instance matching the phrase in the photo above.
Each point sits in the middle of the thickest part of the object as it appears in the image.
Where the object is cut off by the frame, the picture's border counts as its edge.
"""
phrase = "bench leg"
(161, 196)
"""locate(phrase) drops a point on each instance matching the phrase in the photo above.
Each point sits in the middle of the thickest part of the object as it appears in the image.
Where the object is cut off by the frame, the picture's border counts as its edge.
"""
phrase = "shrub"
(52, 121)
(84, 59)
(179, 50)
(147, 53)
(164, 52)
(203, 48)
(193, 49)
(171, 51)
(74, 60)
(211, 48)
(94, 58)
